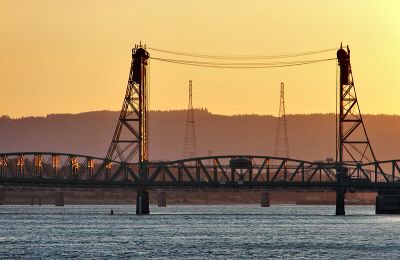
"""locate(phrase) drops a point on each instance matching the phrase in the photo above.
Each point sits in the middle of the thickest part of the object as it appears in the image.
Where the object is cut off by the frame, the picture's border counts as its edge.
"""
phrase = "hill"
(311, 137)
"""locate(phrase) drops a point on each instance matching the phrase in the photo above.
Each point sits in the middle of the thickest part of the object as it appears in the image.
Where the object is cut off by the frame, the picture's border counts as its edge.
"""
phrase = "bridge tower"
(281, 139)
(189, 145)
(353, 143)
(353, 146)
(130, 140)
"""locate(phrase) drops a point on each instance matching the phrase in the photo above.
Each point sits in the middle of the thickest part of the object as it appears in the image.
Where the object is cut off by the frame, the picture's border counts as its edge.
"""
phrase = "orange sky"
(74, 56)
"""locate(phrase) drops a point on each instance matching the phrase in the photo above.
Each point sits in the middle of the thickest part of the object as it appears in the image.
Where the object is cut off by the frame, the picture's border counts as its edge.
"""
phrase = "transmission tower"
(353, 142)
(281, 140)
(129, 143)
(189, 146)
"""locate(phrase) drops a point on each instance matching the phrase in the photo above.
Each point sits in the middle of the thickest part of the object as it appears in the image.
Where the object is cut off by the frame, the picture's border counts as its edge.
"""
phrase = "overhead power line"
(249, 65)
(242, 57)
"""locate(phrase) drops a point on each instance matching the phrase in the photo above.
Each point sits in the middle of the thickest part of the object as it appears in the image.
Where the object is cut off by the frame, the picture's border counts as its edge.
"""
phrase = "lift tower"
(353, 143)
(189, 145)
(129, 143)
(353, 146)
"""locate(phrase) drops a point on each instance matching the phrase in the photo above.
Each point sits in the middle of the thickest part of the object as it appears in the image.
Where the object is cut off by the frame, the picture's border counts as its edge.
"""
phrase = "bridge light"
(20, 161)
(90, 163)
(55, 159)
(3, 161)
(74, 163)
(38, 161)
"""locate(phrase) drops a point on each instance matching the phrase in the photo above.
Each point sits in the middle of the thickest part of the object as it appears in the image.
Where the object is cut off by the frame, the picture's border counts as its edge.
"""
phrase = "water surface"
(197, 232)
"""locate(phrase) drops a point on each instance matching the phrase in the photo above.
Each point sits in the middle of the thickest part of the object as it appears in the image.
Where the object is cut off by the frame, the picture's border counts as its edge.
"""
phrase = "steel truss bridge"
(127, 163)
(70, 170)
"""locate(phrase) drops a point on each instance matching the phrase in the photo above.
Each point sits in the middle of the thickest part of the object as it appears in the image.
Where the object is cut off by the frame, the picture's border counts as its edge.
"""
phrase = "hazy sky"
(74, 56)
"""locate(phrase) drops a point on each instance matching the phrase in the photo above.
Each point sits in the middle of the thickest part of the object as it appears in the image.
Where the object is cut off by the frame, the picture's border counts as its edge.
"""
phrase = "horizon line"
(182, 110)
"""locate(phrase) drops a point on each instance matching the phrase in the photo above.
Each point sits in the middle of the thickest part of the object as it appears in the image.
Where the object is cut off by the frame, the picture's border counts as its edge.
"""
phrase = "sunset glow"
(74, 56)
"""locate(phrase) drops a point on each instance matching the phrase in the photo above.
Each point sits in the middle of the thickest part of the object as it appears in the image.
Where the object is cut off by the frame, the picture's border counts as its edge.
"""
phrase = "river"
(197, 232)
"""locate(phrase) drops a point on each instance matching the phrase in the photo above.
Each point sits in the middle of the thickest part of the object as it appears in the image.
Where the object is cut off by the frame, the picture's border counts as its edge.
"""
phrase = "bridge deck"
(51, 169)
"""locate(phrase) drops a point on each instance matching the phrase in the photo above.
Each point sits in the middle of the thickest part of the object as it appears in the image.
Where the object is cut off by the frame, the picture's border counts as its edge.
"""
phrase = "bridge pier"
(161, 199)
(341, 174)
(2, 197)
(265, 199)
(387, 202)
(340, 195)
(142, 202)
(59, 199)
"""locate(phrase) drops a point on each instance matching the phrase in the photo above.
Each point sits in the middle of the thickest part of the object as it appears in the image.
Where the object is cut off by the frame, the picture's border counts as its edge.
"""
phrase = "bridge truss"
(203, 172)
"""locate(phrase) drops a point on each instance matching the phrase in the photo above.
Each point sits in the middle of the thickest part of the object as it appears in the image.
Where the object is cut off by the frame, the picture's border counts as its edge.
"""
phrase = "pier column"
(340, 195)
(341, 174)
(2, 197)
(161, 199)
(265, 199)
(387, 202)
(142, 202)
(59, 199)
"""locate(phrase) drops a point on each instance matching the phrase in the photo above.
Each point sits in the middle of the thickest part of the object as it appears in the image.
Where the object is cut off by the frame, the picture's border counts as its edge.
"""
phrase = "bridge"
(127, 163)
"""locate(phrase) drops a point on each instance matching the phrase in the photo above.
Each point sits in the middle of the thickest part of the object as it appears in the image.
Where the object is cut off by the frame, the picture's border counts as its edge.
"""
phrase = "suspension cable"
(241, 65)
(242, 57)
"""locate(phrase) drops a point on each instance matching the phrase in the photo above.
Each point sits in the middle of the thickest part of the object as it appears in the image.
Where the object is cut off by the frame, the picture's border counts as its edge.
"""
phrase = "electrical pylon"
(281, 139)
(189, 146)
(352, 141)
(129, 143)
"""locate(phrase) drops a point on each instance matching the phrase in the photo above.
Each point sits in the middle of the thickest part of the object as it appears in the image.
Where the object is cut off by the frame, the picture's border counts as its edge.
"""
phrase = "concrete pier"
(161, 199)
(142, 202)
(387, 203)
(341, 175)
(59, 199)
(340, 195)
(265, 202)
(2, 197)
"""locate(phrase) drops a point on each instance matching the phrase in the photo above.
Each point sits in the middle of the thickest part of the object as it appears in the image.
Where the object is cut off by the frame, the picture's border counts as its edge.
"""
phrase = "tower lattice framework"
(129, 142)
(281, 139)
(189, 145)
(353, 143)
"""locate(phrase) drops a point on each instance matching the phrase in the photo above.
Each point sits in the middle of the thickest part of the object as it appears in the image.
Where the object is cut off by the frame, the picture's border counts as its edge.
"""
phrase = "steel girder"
(38, 168)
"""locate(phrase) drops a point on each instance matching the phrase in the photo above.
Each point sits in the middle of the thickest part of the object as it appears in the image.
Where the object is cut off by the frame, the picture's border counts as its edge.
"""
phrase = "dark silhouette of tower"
(353, 143)
(281, 139)
(189, 146)
(129, 143)
(353, 146)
